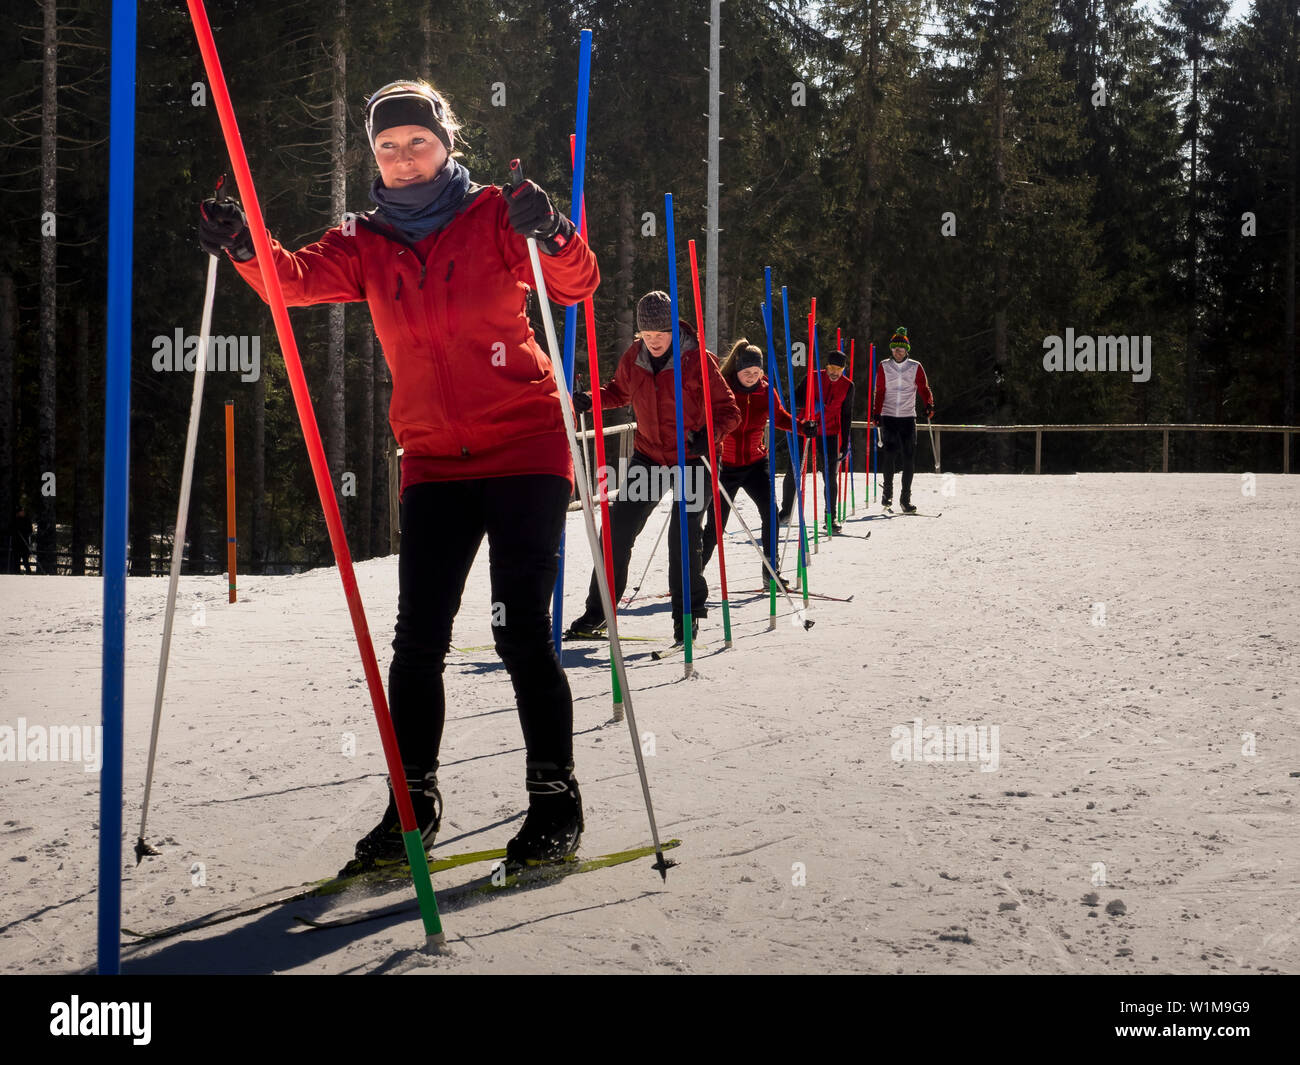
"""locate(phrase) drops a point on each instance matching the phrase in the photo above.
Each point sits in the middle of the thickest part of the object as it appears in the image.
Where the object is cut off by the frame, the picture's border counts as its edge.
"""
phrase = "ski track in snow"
(1119, 744)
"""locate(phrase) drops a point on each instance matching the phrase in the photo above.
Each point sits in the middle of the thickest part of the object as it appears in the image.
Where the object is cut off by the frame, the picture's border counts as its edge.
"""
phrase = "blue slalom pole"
(117, 472)
(685, 567)
(571, 311)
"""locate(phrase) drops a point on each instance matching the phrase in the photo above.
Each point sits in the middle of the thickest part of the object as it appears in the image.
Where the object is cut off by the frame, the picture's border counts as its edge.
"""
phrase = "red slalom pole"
(598, 427)
(320, 470)
(713, 447)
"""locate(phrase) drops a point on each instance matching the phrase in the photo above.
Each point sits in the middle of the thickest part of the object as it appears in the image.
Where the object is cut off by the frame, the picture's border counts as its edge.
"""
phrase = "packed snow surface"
(1109, 660)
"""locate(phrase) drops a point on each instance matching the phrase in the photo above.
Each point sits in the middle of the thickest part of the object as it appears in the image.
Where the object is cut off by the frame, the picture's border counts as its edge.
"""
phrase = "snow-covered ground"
(1131, 638)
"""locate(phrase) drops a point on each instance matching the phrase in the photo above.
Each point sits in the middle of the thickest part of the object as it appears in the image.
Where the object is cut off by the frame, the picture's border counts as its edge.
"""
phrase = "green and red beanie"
(899, 339)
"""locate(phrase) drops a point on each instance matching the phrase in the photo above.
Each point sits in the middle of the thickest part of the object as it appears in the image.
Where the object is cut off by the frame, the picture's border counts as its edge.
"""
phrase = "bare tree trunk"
(366, 436)
(1002, 443)
(625, 308)
(335, 407)
(8, 309)
(46, 542)
(426, 37)
(867, 284)
(380, 532)
(1193, 240)
(1289, 338)
(83, 486)
(257, 476)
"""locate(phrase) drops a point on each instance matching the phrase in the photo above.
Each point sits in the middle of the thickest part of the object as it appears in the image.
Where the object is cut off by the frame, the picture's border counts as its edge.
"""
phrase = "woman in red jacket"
(744, 455)
(443, 266)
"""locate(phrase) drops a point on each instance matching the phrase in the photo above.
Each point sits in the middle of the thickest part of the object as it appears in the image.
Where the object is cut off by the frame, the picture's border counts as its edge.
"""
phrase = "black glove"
(697, 440)
(532, 215)
(929, 412)
(808, 427)
(222, 227)
(582, 402)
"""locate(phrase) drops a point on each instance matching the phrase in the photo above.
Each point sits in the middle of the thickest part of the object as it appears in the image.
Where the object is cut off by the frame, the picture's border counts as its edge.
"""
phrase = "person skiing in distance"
(443, 265)
(744, 455)
(900, 380)
(644, 378)
(836, 399)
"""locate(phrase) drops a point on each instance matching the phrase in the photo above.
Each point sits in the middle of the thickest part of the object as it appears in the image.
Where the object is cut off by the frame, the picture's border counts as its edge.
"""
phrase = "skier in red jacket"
(744, 455)
(645, 379)
(443, 265)
(833, 395)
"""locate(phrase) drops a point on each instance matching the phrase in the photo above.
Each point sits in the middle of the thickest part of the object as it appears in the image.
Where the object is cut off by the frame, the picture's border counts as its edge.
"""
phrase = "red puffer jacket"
(654, 401)
(474, 395)
(745, 445)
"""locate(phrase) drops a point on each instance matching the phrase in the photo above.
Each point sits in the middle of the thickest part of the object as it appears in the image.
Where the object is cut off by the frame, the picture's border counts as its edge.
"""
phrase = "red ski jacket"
(745, 445)
(836, 398)
(474, 394)
(654, 403)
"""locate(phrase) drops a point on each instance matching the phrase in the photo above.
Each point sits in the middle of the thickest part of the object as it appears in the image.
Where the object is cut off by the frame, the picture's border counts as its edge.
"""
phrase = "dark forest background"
(1114, 167)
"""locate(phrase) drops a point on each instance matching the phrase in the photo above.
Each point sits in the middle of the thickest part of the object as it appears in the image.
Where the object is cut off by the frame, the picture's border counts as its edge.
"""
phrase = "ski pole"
(773, 388)
(653, 551)
(411, 839)
(142, 847)
(853, 492)
(799, 614)
(589, 521)
(713, 447)
(933, 450)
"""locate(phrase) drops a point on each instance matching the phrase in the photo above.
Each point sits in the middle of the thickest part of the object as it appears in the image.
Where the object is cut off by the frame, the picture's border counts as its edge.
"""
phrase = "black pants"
(789, 483)
(754, 480)
(898, 436)
(828, 462)
(443, 524)
(644, 486)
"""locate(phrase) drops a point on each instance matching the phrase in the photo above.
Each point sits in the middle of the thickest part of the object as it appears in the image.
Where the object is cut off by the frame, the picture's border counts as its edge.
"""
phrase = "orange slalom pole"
(230, 494)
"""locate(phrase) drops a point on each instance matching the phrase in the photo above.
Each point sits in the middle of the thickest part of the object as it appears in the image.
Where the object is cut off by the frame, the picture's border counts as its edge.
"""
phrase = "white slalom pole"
(800, 617)
(178, 546)
(589, 521)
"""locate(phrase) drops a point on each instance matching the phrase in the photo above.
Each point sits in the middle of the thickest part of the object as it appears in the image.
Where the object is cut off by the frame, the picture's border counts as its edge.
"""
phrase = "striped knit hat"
(899, 339)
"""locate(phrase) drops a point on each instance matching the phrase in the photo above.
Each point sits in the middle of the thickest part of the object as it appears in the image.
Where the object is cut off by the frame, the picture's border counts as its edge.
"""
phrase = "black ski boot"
(585, 628)
(383, 844)
(906, 507)
(553, 827)
(679, 630)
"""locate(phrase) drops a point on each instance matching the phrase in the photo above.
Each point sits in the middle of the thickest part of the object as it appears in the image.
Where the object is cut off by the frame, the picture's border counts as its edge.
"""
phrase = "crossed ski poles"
(589, 523)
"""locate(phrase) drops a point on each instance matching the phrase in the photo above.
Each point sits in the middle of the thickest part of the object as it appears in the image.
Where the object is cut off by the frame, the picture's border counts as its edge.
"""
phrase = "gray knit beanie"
(654, 313)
